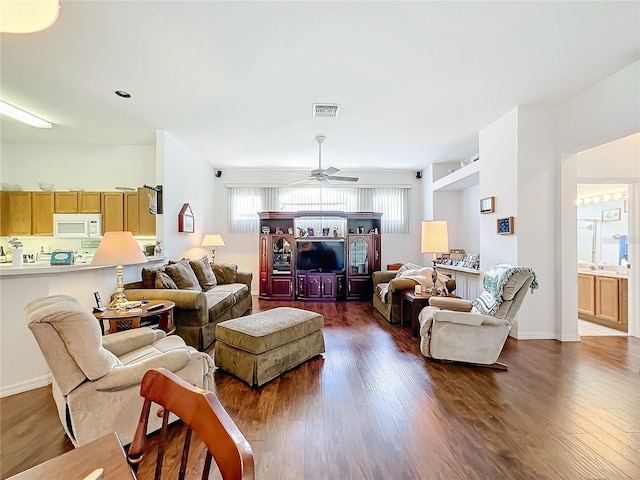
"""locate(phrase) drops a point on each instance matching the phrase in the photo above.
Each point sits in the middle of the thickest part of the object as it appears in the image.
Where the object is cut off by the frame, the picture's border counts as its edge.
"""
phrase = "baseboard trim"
(27, 385)
(536, 336)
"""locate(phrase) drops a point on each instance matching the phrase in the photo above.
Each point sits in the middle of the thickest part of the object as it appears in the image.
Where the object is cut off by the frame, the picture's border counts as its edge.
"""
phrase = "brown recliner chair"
(475, 332)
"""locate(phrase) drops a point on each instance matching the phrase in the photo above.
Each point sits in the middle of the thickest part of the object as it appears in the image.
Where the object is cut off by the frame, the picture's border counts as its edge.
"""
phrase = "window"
(246, 202)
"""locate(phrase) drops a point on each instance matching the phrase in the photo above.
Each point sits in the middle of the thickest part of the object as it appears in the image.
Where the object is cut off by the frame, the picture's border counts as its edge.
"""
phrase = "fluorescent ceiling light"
(22, 116)
(27, 16)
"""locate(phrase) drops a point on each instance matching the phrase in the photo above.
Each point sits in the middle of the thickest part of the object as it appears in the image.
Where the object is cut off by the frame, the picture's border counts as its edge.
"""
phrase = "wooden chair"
(203, 413)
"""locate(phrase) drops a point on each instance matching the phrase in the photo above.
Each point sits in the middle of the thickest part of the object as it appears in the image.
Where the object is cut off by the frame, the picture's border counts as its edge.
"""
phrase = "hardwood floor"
(374, 408)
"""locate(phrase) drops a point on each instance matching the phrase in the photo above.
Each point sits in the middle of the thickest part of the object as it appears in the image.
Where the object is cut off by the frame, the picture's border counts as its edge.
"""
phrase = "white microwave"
(77, 225)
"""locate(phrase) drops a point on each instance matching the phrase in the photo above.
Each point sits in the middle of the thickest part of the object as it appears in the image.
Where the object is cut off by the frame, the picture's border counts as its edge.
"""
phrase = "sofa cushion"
(238, 290)
(204, 273)
(182, 273)
(225, 272)
(163, 280)
(218, 301)
(149, 277)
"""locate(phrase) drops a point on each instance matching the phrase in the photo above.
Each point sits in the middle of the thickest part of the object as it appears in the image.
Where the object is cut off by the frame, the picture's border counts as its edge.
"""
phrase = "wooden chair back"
(203, 413)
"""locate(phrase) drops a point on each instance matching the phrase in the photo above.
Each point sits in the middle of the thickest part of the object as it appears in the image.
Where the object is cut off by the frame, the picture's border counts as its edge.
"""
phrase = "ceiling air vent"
(325, 110)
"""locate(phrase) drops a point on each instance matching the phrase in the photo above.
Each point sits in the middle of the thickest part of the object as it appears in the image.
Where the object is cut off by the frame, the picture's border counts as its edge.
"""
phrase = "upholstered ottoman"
(259, 347)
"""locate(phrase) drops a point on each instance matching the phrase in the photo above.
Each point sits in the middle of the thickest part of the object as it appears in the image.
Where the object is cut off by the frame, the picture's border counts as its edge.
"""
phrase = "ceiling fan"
(323, 176)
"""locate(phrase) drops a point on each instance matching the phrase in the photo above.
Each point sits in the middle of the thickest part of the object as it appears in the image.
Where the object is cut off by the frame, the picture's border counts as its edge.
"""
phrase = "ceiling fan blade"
(344, 179)
(301, 181)
(325, 183)
(331, 171)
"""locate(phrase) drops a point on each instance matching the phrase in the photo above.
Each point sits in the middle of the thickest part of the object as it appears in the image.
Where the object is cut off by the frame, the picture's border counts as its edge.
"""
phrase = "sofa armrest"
(451, 303)
(131, 375)
(245, 277)
(184, 299)
(383, 276)
(127, 341)
(401, 284)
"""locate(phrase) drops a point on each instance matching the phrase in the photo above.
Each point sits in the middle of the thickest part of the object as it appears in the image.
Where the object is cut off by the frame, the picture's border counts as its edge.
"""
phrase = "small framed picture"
(611, 215)
(488, 205)
(311, 232)
(505, 226)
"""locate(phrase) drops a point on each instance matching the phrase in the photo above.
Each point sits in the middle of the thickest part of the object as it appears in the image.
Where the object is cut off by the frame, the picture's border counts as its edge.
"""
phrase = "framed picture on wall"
(186, 219)
(488, 205)
(505, 226)
(611, 215)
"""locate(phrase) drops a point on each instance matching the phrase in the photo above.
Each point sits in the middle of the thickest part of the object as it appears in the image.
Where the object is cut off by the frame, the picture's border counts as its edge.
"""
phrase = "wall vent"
(325, 110)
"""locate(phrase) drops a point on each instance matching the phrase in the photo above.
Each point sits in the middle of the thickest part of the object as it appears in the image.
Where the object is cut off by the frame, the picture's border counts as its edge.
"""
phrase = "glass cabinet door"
(358, 251)
(281, 255)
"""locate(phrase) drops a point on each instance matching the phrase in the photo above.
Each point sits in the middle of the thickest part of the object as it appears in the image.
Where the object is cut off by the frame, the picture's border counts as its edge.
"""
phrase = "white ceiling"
(235, 81)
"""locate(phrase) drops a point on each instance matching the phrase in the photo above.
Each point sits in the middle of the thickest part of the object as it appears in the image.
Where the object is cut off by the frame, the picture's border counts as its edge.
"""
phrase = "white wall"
(242, 249)
(185, 178)
(518, 169)
(91, 167)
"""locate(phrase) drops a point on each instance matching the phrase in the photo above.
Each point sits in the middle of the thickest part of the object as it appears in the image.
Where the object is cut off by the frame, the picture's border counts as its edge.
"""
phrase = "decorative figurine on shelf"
(301, 232)
(290, 230)
(336, 233)
(311, 232)
(279, 231)
(325, 231)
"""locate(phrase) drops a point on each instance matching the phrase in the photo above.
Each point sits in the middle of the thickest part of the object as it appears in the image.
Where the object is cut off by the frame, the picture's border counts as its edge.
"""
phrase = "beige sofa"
(205, 295)
(388, 286)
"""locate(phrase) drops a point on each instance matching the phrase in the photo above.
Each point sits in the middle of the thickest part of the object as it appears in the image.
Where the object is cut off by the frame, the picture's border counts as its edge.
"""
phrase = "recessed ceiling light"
(123, 94)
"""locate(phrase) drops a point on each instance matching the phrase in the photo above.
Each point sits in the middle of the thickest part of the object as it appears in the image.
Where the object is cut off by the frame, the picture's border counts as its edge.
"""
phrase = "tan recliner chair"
(475, 332)
(97, 379)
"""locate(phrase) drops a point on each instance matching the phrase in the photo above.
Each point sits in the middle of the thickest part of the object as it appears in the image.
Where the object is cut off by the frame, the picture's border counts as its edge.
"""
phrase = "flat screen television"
(320, 255)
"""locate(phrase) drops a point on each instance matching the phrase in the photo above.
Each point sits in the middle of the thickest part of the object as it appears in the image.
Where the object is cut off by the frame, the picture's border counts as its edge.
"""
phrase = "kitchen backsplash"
(84, 248)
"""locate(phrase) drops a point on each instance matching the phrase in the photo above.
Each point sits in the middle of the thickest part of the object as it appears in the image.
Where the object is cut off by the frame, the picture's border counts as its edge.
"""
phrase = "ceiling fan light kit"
(323, 176)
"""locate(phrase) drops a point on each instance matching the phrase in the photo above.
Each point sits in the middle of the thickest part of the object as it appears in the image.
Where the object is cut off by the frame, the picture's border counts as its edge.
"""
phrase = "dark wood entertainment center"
(319, 255)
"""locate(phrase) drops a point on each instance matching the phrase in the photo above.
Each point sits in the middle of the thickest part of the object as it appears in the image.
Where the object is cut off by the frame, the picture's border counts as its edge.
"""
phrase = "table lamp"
(435, 239)
(214, 240)
(118, 248)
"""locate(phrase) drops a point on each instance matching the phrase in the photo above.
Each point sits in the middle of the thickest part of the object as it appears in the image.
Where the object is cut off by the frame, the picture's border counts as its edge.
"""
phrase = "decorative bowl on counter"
(11, 187)
(47, 187)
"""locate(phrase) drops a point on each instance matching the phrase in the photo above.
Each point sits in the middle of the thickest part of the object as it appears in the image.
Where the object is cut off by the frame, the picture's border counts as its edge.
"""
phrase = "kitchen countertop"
(7, 269)
(601, 273)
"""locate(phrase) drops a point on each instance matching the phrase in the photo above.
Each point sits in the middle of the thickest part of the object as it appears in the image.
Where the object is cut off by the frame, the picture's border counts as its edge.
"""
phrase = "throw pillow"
(202, 269)
(164, 281)
(148, 277)
(225, 272)
(182, 273)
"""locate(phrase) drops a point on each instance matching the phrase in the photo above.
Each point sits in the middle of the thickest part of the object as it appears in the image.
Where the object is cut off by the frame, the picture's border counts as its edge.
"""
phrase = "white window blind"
(246, 202)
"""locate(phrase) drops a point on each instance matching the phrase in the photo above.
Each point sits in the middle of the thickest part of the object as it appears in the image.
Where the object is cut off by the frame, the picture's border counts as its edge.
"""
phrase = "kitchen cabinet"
(42, 204)
(131, 213)
(146, 220)
(66, 202)
(89, 202)
(16, 213)
(112, 212)
(603, 299)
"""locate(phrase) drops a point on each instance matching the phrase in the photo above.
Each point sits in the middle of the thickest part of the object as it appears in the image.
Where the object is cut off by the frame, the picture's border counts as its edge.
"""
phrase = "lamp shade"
(213, 240)
(118, 248)
(435, 237)
(20, 16)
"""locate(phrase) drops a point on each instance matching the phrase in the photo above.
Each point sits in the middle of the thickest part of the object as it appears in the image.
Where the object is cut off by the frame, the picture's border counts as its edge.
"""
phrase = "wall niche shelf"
(460, 179)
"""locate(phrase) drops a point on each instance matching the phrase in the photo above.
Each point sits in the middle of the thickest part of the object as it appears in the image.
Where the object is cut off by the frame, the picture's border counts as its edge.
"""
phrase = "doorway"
(603, 258)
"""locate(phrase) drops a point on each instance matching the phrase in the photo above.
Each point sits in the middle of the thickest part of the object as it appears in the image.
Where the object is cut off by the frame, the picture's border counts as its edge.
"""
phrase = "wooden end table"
(135, 316)
(105, 452)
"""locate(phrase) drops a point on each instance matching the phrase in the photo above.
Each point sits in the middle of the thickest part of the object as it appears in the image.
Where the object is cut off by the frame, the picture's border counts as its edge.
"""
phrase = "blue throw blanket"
(494, 281)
